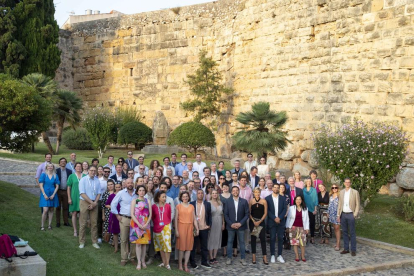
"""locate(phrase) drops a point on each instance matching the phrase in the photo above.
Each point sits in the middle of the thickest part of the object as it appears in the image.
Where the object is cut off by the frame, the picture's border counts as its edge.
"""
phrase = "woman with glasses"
(262, 168)
(121, 160)
(262, 184)
(205, 182)
(333, 209)
(222, 180)
(209, 190)
(323, 215)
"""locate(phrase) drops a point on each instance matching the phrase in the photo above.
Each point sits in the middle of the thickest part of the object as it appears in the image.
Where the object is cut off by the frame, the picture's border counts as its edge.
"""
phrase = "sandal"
(49, 227)
(75, 234)
(139, 267)
(161, 265)
(143, 265)
(42, 229)
(168, 267)
(337, 248)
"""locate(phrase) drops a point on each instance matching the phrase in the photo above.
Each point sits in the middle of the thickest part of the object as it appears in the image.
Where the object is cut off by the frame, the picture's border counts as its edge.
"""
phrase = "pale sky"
(64, 7)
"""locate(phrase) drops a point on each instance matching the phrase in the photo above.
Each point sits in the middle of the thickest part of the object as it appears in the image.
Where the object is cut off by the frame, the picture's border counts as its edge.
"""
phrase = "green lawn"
(382, 221)
(20, 216)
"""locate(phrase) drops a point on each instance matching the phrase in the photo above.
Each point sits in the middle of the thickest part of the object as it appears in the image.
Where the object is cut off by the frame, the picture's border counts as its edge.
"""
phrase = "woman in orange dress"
(185, 222)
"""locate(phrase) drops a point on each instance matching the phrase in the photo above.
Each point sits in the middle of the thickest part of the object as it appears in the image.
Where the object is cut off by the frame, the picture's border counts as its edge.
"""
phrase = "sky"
(64, 7)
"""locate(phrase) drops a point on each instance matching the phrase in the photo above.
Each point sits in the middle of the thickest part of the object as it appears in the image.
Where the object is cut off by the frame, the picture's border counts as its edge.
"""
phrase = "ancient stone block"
(160, 129)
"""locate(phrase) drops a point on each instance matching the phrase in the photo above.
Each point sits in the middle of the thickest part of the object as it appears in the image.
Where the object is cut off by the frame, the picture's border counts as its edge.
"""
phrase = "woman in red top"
(161, 217)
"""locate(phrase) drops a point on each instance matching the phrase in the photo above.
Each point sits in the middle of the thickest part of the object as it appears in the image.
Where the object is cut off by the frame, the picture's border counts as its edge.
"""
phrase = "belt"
(62, 190)
(346, 212)
(126, 216)
(323, 204)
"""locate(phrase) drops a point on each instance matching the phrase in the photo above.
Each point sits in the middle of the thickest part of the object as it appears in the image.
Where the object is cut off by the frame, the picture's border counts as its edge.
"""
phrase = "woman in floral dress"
(333, 210)
(107, 211)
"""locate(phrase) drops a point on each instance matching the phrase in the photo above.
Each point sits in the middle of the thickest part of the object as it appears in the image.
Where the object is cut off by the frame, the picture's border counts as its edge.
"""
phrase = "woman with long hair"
(49, 185)
(262, 184)
(209, 190)
(311, 201)
(150, 191)
(167, 181)
(223, 198)
(314, 179)
(221, 169)
(262, 168)
(298, 225)
(205, 182)
(333, 211)
(85, 167)
(140, 234)
(73, 194)
(153, 167)
(105, 210)
(113, 223)
(323, 215)
(217, 226)
(298, 181)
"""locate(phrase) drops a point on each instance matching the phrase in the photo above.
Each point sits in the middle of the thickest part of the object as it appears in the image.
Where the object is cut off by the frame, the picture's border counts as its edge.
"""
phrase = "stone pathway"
(321, 259)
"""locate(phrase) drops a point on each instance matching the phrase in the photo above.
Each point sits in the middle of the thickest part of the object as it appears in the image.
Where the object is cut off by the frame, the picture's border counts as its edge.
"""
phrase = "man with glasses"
(197, 184)
(130, 174)
(199, 165)
(293, 191)
(249, 163)
(111, 165)
(179, 168)
(141, 163)
(90, 193)
(167, 166)
(175, 188)
(132, 163)
(185, 178)
(140, 172)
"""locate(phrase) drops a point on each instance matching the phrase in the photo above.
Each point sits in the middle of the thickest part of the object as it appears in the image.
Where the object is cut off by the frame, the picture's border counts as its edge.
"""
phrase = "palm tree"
(262, 132)
(46, 87)
(66, 109)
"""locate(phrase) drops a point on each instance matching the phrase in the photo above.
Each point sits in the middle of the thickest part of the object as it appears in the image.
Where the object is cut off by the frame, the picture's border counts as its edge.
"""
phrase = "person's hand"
(198, 232)
(90, 207)
(177, 235)
(338, 219)
(256, 223)
(233, 226)
(118, 217)
(70, 202)
(103, 217)
(277, 220)
(306, 232)
(314, 212)
(222, 227)
(238, 225)
(46, 197)
(52, 197)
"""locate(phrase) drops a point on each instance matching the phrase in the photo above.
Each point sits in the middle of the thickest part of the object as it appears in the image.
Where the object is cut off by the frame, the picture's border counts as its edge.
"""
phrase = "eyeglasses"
(130, 173)
(334, 188)
(222, 178)
(106, 172)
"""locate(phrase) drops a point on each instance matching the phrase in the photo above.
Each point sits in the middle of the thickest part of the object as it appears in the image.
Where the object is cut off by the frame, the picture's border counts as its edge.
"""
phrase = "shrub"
(127, 114)
(77, 139)
(135, 133)
(408, 207)
(369, 154)
(192, 135)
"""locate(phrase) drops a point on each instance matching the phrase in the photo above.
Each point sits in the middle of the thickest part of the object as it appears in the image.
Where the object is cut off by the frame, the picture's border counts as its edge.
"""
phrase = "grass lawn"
(20, 215)
(382, 221)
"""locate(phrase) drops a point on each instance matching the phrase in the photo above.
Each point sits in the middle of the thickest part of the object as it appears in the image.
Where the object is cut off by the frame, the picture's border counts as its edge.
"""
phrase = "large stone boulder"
(313, 161)
(302, 167)
(305, 155)
(395, 190)
(160, 129)
(405, 178)
(272, 162)
(288, 154)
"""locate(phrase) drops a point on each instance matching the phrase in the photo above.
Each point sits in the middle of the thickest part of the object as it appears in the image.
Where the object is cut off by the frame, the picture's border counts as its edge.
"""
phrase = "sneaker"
(150, 261)
(280, 259)
(272, 259)
(81, 245)
(243, 262)
(194, 266)
(96, 245)
(99, 241)
(206, 265)
(228, 262)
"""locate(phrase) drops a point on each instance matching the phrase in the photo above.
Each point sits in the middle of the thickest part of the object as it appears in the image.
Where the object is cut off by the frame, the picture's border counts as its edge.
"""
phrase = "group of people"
(189, 207)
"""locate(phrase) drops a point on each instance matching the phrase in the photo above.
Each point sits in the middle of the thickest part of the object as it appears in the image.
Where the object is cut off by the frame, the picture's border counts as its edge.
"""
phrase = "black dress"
(257, 211)
(322, 225)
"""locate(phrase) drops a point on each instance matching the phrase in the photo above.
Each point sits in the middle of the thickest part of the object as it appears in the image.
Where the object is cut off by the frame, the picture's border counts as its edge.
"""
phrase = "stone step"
(153, 149)
(33, 265)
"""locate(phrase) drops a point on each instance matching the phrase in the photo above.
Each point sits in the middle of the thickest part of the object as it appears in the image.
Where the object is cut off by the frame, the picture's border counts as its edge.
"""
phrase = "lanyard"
(201, 210)
(79, 177)
(71, 166)
(129, 164)
(93, 187)
(161, 213)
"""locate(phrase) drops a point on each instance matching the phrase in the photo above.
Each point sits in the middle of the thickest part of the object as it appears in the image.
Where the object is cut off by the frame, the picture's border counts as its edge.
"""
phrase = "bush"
(192, 135)
(127, 114)
(408, 207)
(135, 133)
(369, 154)
(77, 139)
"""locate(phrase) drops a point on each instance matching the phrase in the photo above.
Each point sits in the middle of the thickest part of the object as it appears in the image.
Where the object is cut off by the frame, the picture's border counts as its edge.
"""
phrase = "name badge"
(161, 223)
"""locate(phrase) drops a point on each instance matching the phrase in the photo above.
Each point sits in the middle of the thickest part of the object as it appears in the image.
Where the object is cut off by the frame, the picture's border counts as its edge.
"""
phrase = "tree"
(99, 123)
(205, 86)
(45, 87)
(192, 135)
(369, 154)
(66, 109)
(29, 35)
(135, 133)
(24, 114)
(262, 130)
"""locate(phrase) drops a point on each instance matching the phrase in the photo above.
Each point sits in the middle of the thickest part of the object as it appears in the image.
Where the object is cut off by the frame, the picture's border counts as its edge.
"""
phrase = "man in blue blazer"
(63, 174)
(254, 178)
(202, 209)
(236, 213)
(276, 219)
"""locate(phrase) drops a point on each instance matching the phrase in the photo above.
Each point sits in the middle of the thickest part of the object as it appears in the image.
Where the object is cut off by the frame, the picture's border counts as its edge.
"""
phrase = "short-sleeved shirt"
(89, 186)
(41, 169)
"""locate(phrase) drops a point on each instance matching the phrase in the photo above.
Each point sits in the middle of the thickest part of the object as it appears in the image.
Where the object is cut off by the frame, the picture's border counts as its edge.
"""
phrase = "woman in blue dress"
(49, 185)
(333, 211)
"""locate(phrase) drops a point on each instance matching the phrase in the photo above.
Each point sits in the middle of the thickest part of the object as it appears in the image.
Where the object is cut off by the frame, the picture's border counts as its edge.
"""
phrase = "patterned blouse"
(333, 209)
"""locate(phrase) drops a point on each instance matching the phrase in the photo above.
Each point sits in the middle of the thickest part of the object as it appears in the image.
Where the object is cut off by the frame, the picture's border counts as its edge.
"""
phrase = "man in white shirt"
(141, 162)
(249, 163)
(186, 179)
(190, 169)
(140, 172)
(167, 166)
(199, 166)
(213, 171)
(111, 165)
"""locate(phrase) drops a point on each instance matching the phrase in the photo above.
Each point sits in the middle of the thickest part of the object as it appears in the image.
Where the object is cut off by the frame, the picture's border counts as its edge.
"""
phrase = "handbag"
(256, 230)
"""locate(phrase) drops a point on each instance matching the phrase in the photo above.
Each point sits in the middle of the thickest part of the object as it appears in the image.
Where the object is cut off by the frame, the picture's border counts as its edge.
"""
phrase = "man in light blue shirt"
(179, 168)
(90, 192)
(125, 198)
(175, 188)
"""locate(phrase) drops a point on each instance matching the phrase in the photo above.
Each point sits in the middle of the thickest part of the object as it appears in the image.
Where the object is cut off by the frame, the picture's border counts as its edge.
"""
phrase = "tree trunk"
(33, 147)
(100, 153)
(195, 151)
(47, 142)
(59, 125)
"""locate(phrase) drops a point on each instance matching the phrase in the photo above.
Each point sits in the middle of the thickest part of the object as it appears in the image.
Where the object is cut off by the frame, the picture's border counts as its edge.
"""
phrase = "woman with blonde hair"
(333, 210)
(217, 226)
(298, 181)
(262, 168)
(323, 215)
(49, 185)
(258, 214)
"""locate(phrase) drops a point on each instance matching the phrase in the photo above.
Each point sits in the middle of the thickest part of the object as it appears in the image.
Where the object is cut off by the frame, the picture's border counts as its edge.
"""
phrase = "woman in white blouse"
(262, 169)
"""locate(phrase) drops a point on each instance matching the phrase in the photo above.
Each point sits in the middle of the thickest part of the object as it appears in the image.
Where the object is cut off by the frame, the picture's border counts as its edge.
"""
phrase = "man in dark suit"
(254, 178)
(293, 191)
(202, 210)
(236, 213)
(62, 194)
(276, 214)
(119, 175)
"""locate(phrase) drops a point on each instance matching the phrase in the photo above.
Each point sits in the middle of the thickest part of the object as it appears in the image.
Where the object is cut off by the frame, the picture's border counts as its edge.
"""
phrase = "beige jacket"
(354, 202)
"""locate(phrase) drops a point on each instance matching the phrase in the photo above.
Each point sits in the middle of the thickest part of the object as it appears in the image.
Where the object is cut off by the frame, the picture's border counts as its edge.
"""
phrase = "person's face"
(156, 181)
(297, 175)
(73, 157)
(163, 188)
(334, 189)
(106, 172)
(129, 154)
(85, 166)
(214, 194)
(268, 177)
(182, 189)
(291, 182)
(298, 201)
(209, 189)
(49, 168)
(185, 174)
(125, 166)
(190, 166)
(158, 173)
(322, 188)
(110, 186)
(175, 180)
(198, 158)
(225, 188)
(222, 179)
(141, 192)
(197, 185)
(123, 184)
(169, 173)
(183, 158)
(78, 168)
(256, 193)
(150, 185)
(141, 170)
(313, 176)
(308, 183)
(140, 181)
(200, 195)
(129, 184)
(254, 172)
(207, 172)
(163, 198)
(184, 198)
(212, 179)
(250, 157)
(235, 192)
(262, 161)
(118, 187)
(228, 174)
(166, 162)
(190, 186)
(277, 175)
(100, 171)
(120, 161)
(243, 182)
(213, 167)
(118, 169)
(234, 177)
(282, 179)
(347, 183)
(131, 174)
(237, 164)
(174, 158)
(261, 182)
(269, 184)
(195, 175)
(275, 189)
(141, 160)
(282, 189)
(92, 172)
(206, 181)
(62, 163)
(95, 163)
(110, 160)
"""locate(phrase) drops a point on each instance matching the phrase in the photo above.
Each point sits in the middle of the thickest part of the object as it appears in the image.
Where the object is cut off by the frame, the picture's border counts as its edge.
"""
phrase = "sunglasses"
(334, 188)
(106, 172)
(221, 178)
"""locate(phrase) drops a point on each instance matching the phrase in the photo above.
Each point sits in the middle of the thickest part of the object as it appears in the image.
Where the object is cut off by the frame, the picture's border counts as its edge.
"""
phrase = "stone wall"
(320, 60)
